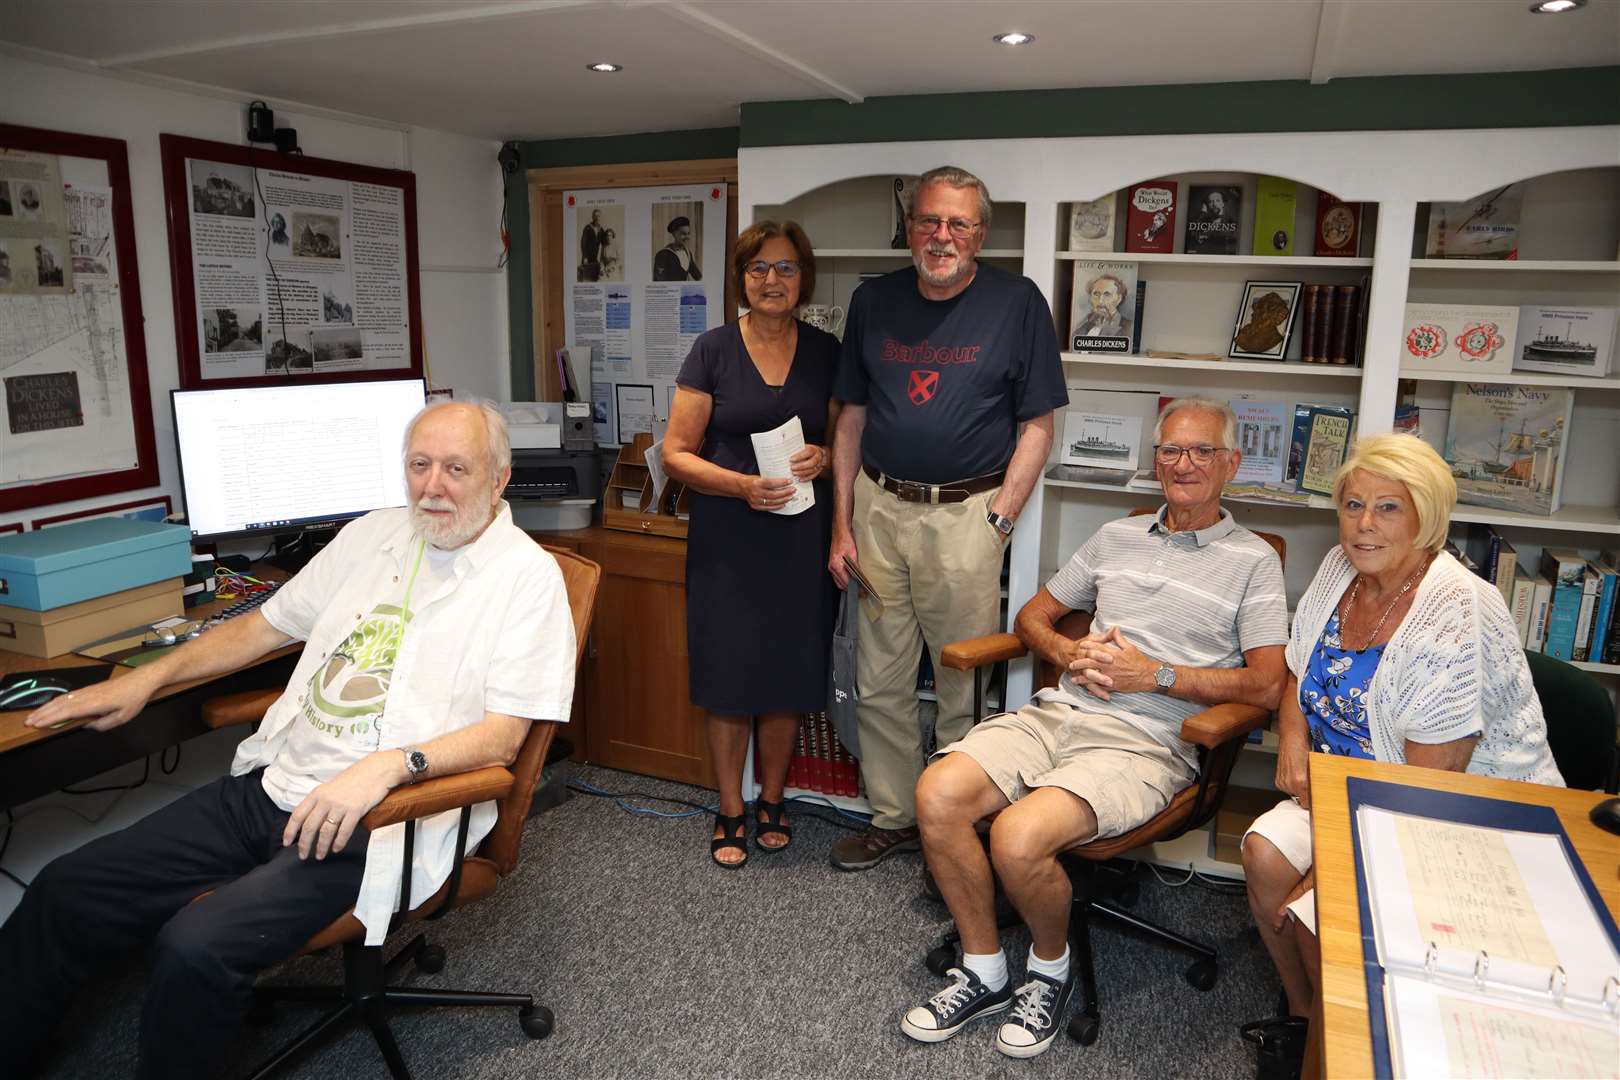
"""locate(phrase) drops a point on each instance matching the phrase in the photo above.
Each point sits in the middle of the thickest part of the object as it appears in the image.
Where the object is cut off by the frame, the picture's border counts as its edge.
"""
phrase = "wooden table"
(1346, 1042)
(35, 761)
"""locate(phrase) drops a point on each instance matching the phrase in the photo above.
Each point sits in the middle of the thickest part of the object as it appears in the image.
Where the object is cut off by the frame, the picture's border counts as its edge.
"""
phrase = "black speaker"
(508, 157)
(261, 123)
(287, 140)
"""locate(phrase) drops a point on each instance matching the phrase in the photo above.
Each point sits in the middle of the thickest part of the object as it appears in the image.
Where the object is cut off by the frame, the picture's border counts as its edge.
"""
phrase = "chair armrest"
(979, 651)
(439, 794)
(1221, 723)
(246, 707)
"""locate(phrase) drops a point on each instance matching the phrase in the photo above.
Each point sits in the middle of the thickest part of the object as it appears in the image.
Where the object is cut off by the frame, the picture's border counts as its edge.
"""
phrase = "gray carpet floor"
(659, 964)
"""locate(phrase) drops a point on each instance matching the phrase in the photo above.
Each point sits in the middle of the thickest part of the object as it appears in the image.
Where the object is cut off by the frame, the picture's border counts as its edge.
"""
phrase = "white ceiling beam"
(469, 13)
(1330, 23)
(778, 59)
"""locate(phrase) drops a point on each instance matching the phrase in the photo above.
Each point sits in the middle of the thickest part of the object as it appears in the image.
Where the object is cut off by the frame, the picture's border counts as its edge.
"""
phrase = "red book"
(1150, 219)
(1338, 227)
(801, 755)
(825, 782)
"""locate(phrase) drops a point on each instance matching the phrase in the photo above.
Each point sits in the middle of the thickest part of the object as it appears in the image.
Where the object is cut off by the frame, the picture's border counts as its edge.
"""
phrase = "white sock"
(991, 968)
(1053, 969)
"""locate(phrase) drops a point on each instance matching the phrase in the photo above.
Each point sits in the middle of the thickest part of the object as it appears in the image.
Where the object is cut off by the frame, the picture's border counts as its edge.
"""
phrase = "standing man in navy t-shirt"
(949, 376)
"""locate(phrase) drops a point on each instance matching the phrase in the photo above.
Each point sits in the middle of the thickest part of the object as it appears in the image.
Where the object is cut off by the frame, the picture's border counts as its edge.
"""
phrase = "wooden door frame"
(546, 240)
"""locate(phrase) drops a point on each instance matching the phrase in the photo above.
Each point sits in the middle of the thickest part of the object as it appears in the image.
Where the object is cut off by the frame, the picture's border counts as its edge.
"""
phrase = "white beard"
(465, 524)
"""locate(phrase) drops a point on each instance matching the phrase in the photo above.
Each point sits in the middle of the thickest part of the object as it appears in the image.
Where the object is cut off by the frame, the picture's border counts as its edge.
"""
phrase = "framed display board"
(289, 268)
(77, 418)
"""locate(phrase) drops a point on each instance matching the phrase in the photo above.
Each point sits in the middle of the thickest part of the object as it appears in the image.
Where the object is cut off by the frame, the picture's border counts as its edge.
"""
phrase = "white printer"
(555, 480)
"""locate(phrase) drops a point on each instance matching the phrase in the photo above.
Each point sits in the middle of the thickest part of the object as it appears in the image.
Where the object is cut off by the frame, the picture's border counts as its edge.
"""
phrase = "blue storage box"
(49, 568)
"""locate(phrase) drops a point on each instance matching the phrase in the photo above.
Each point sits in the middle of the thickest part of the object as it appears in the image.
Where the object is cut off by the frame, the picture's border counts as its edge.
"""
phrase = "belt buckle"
(910, 491)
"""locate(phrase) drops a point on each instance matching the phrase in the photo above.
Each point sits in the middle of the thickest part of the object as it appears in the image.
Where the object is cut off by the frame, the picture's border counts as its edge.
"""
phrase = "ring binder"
(1557, 983)
(1482, 966)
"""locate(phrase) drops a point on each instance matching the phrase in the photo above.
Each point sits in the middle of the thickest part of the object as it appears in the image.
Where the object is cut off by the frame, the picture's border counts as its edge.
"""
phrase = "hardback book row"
(1569, 610)
(1332, 316)
(1211, 219)
(820, 762)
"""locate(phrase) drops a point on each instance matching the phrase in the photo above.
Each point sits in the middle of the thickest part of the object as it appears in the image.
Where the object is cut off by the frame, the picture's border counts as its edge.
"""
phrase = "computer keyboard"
(248, 603)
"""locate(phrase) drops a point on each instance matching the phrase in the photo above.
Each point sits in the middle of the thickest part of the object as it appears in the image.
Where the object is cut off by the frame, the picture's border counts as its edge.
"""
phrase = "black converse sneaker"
(1036, 1016)
(950, 1010)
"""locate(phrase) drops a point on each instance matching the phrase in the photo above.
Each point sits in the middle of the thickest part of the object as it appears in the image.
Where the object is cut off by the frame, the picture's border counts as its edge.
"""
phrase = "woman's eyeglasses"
(785, 268)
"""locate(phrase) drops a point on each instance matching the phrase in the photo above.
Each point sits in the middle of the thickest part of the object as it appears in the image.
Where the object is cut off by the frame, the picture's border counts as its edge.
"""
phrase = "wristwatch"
(1165, 676)
(1002, 525)
(415, 763)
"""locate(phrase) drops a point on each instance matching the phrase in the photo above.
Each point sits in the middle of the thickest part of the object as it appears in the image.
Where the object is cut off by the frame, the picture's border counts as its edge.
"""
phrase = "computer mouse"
(1606, 815)
(29, 694)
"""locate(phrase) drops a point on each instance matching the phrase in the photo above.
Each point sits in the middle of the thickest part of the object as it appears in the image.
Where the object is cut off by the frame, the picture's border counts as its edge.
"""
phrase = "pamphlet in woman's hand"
(772, 449)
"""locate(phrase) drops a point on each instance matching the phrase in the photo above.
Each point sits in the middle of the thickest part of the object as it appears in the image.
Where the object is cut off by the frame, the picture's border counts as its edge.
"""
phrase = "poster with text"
(645, 273)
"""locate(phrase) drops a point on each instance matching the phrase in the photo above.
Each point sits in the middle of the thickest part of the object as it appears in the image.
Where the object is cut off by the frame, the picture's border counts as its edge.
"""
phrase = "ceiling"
(515, 69)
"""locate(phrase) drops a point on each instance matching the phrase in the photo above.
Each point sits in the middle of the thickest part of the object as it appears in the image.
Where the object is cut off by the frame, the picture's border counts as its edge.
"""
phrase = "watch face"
(1165, 676)
(416, 762)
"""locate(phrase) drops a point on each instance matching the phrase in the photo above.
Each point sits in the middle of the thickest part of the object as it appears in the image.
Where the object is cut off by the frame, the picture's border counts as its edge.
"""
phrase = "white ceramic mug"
(828, 317)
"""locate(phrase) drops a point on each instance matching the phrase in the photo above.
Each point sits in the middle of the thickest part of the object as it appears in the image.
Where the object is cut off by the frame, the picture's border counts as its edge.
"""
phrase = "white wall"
(458, 207)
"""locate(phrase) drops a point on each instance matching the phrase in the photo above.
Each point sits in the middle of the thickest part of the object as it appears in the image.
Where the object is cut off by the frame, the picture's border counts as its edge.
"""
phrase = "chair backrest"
(581, 576)
(1580, 722)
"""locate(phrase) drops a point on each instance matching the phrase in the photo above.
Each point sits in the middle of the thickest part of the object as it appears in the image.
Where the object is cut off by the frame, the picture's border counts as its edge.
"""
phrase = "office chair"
(1218, 732)
(475, 875)
(1580, 724)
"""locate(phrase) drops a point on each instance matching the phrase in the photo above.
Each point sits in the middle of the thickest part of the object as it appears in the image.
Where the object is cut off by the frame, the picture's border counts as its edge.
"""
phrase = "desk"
(1341, 1017)
(35, 762)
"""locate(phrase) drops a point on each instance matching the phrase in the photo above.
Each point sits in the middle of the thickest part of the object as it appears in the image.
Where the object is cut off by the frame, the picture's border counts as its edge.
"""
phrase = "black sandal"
(771, 824)
(736, 836)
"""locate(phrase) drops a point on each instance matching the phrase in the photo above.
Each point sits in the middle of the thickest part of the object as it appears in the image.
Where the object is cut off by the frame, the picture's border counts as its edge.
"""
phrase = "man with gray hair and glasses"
(1189, 611)
(433, 634)
(949, 376)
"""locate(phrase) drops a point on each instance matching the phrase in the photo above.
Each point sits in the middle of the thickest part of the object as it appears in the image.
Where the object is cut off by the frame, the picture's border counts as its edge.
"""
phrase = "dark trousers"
(120, 891)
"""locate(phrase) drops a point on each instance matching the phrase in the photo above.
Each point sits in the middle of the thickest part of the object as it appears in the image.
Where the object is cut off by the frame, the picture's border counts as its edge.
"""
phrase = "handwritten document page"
(1468, 889)
(1441, 1031)
(772, 450)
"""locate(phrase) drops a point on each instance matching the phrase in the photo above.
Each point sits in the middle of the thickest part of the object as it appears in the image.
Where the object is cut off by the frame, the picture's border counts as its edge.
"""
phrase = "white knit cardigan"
(1454, 668)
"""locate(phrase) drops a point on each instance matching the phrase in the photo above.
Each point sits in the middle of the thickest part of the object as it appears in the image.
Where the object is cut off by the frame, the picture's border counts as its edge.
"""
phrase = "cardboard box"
(64, 564)
(1238, 810)
(64, 629)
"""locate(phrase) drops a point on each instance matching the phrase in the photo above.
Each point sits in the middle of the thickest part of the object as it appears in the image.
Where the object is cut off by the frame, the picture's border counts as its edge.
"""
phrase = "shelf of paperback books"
(1215, 365)
(1321, 262)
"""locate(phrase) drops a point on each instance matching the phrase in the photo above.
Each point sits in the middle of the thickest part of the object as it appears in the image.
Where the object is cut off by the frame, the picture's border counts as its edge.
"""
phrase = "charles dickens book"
(1338, 227)
(1150, 216)
(1506, 445)
(1212, 219)
(1107, 308)
(1091, 224)
(1483, 228)
(1274, 202)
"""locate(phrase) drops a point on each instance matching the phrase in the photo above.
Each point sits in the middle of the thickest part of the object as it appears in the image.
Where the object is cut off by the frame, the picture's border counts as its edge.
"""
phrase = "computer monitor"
(270, 459)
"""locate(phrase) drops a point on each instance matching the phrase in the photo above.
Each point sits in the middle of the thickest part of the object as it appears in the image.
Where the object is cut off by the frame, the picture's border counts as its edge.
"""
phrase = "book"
(1091, 224)
(1101, 440)
(1524, 596)
(1566, 339)
(1150, 216)
(1609, 560)
(1107, 307)
(1540, 612)
(1327, 442)
(1506, 445)
(1590, 584)
(1507, 569)
(1566, 570)
(1309, 351)
(1302, 431)
(1458, 337)
(1607, 579)
(1408, 420)
(1263, 428)
(1341, 341)
(1482, 545)
(1275, 201)
(1212, 219)
(1486, 227)
(1338, 227)
(1324, 324)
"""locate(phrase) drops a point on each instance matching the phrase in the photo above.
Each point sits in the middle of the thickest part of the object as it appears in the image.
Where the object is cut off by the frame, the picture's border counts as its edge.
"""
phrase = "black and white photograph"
(1212, 219)
(285, 354)
(49, 262)
(317, 236)
(1265, 320)
(5, 198)
(91, 265)
(224, 190)
(337, 299)
(5, 265)
(336, 346)
(28, 199)
(601, 243)
(677, 237)
(229, 330)
(278, 231)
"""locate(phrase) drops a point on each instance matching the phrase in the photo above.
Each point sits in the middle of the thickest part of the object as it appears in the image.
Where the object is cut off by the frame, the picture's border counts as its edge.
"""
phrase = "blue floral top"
(1333, 694)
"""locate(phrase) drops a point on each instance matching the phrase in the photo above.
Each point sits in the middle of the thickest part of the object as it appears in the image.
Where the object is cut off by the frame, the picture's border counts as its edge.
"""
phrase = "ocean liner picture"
(1093, 446)
(1101, 440)
(1571, 340)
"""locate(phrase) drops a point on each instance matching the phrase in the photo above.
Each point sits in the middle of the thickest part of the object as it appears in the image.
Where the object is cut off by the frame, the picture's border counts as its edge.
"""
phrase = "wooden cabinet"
(637, 712)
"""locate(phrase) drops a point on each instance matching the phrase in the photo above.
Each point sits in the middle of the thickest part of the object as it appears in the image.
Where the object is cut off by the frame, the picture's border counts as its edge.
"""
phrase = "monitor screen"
(281, 458)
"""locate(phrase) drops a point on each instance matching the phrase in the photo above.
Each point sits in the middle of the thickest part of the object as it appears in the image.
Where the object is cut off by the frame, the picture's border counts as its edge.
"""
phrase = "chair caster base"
(430, 960)
(537, 1021)
(941, 959)
(1200, 974)
(1083, 1029)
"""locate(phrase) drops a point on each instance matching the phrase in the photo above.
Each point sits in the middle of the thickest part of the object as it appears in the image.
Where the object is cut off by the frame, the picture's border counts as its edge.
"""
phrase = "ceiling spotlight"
(1555, 7)
(1015, 38)
(604, 67)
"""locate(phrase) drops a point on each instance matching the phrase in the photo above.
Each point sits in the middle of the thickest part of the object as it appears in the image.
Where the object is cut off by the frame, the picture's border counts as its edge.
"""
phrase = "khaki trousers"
(938, 570)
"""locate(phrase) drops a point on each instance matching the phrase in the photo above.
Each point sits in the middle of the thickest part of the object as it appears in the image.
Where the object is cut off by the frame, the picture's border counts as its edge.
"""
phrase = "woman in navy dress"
(759, 600)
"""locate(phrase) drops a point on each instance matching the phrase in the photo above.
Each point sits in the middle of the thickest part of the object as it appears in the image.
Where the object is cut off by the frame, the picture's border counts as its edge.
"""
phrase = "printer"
(555, 479)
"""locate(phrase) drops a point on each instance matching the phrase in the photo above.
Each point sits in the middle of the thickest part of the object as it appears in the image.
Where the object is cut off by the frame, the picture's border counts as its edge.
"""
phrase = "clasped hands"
(772, 493)
(1107, 663)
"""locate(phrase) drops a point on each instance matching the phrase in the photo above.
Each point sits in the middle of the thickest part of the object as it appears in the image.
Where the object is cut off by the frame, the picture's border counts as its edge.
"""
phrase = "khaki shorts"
(1288, 826)
(1122, 772)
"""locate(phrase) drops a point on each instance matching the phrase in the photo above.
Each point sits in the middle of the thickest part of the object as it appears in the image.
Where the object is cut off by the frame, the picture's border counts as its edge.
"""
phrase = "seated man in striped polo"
(1189, 612)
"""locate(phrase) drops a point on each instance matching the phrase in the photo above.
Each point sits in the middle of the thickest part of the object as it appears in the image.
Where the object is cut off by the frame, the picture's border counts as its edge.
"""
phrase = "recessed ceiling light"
(1555, 7)
(1014, 38)
(604, 67)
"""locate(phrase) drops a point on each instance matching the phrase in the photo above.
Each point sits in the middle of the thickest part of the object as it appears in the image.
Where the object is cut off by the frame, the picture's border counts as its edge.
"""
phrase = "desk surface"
(12, 732)
(1347, 1042)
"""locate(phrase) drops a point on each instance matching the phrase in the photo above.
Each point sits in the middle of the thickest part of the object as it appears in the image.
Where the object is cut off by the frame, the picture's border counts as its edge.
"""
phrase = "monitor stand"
(293, 550)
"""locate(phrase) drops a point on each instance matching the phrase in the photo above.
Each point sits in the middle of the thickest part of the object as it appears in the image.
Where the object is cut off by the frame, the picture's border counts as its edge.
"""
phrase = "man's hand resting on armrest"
(328, 816)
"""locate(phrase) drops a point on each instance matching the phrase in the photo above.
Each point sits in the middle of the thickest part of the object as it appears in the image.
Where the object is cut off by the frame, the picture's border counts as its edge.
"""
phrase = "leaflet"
(772, 449)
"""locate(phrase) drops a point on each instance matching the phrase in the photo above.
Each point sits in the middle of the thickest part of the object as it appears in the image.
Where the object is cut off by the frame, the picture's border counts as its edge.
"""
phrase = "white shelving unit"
(1519, 266)
(1182, 259)
(1246, 367)
(902, 255)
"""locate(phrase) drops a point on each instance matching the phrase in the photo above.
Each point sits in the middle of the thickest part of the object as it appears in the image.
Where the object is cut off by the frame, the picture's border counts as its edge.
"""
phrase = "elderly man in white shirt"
(434, 635)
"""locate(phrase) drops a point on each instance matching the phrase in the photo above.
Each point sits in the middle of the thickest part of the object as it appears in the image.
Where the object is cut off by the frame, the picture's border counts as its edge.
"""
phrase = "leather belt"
(954, 492)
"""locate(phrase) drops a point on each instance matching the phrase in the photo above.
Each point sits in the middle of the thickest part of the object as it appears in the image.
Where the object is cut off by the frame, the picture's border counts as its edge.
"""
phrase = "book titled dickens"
(1212, 219)
(1150, 216)
(1506, 444)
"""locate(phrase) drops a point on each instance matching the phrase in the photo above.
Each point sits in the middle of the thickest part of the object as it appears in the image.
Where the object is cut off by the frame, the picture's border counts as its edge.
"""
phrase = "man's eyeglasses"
(785, 268)
(960, 228)
(1200, 455)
